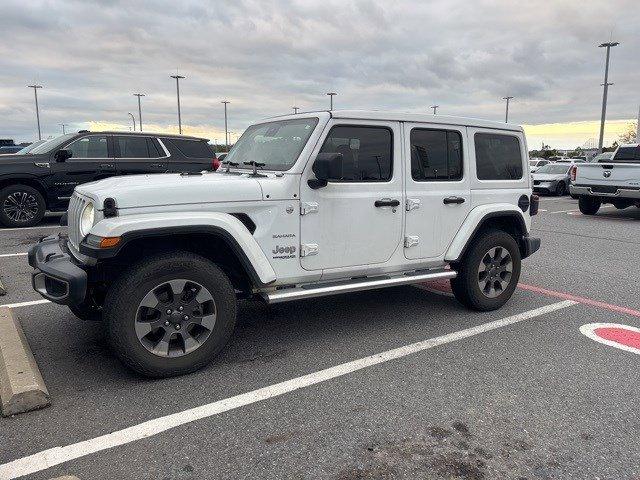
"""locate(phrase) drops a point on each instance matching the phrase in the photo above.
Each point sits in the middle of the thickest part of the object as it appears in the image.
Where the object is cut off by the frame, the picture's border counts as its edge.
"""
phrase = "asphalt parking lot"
(519, 393)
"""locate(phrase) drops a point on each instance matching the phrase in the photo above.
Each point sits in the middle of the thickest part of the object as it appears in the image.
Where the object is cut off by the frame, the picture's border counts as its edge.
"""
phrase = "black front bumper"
(55, 274)
(529, 246)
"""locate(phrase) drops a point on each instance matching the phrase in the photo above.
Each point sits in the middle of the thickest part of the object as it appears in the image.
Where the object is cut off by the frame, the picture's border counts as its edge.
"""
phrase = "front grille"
(536, 182)
(76, 204)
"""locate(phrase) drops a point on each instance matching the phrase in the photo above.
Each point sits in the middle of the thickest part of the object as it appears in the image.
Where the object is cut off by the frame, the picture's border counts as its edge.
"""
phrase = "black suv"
(44, 178)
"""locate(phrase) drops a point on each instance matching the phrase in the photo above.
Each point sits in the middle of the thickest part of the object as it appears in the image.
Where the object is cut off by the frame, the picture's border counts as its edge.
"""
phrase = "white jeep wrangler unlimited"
(305, 205)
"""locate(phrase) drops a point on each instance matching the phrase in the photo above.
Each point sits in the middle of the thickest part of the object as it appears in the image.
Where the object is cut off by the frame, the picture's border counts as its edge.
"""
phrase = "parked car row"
(42, 177)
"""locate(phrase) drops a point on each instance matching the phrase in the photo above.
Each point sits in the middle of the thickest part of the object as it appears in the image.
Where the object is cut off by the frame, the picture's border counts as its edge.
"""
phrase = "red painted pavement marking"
(620, 335)
(445, 287)
(575, 298)
(615, 335)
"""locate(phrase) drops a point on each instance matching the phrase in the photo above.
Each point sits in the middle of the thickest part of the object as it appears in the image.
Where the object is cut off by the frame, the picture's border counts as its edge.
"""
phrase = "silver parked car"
(535, 163)
(552, 178)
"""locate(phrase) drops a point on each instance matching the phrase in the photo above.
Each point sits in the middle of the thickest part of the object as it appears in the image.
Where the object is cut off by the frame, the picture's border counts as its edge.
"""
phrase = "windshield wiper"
(255, 167)
(229, 164)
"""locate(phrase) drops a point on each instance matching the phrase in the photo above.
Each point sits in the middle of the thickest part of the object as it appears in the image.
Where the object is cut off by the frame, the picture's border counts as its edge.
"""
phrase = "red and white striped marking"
(615, 335)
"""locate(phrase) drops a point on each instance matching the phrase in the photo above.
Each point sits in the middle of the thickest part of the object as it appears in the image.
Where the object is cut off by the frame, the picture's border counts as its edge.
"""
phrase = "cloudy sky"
(267, 55)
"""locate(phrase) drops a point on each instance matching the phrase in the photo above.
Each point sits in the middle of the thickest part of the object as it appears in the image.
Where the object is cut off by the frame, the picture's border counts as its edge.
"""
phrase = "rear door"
(92, 159)
(438, 191)
(139, 154)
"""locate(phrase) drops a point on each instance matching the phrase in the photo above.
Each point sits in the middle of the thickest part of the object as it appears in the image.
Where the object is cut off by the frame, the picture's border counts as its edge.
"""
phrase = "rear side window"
(366, 152)
(132, 147)
(436, 155)
(191, 148)
(627, 154)
(498, 157)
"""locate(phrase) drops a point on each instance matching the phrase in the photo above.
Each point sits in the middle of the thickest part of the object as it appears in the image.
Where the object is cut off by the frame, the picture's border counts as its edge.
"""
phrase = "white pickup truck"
(615, 181)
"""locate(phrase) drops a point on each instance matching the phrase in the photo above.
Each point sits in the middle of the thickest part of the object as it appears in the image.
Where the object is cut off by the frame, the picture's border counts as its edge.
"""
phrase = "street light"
(506, 113)
(139, 108)
(295, 110)
(331, 95)
(133, 119)
(63, 125)
(35, 87)
(606, 84)
(435, 107)
(226, 130)
(178, 77)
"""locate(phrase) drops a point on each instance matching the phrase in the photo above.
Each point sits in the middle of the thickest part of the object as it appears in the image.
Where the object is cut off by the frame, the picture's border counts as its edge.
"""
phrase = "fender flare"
(224, 225)
(475, 220)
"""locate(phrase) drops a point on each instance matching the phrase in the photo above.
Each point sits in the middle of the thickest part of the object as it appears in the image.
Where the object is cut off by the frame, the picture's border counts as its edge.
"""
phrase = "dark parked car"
(10, 149)
(44, 178)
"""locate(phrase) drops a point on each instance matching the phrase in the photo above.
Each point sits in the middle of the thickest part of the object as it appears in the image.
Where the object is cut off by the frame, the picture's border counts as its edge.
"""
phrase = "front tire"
(21, 206)
(561, 189)
(589, 205)
(489, 272)
(170, 314)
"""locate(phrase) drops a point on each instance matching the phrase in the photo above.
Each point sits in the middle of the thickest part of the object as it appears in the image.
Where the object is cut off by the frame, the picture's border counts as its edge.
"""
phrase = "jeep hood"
(173, 189)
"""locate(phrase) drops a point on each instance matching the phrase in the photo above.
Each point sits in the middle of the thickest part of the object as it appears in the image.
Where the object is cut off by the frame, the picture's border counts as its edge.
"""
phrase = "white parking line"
(29, 228)
(25, 304)
(57, 455)
(4, 255)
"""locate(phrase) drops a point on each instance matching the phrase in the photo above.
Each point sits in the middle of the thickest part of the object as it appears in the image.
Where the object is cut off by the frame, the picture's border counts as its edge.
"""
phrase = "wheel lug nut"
(177, 326)
(186, 317)
(180, 308)
(169, 312)
(167, 323)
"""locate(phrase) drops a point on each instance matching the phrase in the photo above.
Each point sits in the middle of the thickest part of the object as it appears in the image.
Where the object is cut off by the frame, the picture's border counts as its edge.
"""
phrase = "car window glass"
(154, 148)
(498, 157)
(627, 154)
(436, 154)
(366, 152)
(93, 146)
(192, 148)
(132, 147)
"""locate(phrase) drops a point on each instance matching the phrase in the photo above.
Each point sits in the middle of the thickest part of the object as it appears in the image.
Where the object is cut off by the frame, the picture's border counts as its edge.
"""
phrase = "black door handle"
(449, 200)
(157, 165)
(107, 166)
(387, 202)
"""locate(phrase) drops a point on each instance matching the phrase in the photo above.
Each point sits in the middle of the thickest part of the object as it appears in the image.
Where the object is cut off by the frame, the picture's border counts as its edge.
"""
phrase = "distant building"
(6, 142)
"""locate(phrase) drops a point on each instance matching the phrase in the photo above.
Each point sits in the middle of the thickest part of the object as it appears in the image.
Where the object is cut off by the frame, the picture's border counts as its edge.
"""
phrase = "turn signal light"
(574, 173)
(108, 242)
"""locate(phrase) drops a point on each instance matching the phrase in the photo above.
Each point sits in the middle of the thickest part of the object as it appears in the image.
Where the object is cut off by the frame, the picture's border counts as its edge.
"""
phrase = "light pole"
(35, 87)
(331, 95)
(506, 112)
(226, 130)
(139, 108)
(435, 107)
(133, 119)
(64, 125)
(178, 77)
(295, 110)
(606, 84)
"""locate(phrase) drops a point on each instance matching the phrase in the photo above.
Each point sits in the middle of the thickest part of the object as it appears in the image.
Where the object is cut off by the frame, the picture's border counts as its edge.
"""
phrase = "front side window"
(436, 154)
(93, 146)
(627, 154)
(277, 144)
(498, 157)
(367, 152)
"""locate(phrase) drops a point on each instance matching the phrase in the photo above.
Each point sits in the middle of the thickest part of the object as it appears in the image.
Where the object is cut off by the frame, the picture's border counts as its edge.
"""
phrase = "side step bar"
(298, 293)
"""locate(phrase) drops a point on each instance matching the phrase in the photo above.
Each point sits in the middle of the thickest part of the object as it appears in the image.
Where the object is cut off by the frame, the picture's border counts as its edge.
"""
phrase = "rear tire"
(21, 206)
(137, 306)
(589, 205)
(489, 272)
(561, 189)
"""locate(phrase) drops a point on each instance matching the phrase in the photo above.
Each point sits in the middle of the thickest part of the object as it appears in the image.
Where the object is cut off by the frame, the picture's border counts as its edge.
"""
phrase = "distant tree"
(629, 135)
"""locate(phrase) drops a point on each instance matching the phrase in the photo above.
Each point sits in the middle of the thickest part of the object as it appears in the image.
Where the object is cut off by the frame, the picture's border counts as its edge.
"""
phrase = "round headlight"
(87, 218)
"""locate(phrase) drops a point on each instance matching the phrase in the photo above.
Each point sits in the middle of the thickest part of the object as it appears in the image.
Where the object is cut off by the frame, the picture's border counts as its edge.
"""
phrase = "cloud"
(266, 55)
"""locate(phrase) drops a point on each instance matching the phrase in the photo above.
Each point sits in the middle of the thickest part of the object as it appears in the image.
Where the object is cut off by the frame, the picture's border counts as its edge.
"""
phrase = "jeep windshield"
(277, 144)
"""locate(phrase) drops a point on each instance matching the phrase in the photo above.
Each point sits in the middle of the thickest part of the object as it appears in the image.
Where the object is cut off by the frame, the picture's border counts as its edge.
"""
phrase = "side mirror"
(326, 166)
(63, 155)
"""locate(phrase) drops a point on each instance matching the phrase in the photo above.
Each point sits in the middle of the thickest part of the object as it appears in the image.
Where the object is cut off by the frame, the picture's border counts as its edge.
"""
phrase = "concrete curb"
(3, 291)
(21, 386)
(66, 477)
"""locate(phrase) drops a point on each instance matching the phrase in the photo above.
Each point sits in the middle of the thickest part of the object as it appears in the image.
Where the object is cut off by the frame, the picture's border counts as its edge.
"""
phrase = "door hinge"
(308, 207)
(411, 240)
(412, 204)
(308, 249)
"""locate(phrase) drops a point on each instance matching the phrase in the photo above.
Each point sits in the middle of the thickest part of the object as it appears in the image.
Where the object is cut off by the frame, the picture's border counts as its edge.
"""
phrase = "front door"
(91, 159)
(355, 219)
(438, 189)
